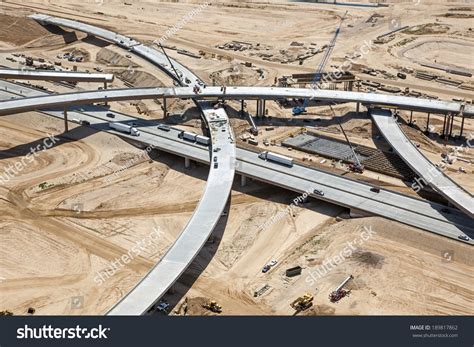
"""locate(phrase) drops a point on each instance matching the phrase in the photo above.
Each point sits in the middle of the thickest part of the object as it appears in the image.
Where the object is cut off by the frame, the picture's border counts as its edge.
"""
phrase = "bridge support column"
(242, 103)
(428, 124)
(187, 162)
(264, 102)
(411, 118)
(66, 124)
(462, 126)
(444, 127)
(165, 111)
(358, 108)
(105, 87)
(243, 181)
(452, 124)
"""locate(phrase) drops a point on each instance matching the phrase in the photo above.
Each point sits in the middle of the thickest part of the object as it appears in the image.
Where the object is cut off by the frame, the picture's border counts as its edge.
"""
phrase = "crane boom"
(317, 76)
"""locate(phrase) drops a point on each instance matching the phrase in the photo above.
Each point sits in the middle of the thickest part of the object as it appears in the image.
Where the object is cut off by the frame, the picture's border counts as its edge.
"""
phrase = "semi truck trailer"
(277, 158)
(186, 135)
(124, 128)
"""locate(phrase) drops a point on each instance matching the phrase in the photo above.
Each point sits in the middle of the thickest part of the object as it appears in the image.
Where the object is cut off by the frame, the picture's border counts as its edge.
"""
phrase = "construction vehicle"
(303, 302)
(339, 293)
(317, 76)
(357, 166)
(213, 307)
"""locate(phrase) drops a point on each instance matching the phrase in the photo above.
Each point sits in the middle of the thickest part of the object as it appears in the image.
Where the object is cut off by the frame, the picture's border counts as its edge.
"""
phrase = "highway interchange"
(339, 190)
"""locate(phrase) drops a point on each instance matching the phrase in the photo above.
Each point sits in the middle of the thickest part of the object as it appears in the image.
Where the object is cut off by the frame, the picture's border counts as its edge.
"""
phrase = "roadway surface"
(219, 183)
(239, 93)
(47, 75)
(338, 190)
(395, 136)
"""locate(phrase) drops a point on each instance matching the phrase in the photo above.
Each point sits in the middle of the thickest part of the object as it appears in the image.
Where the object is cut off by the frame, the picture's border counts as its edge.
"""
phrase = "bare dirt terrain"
(68, 216)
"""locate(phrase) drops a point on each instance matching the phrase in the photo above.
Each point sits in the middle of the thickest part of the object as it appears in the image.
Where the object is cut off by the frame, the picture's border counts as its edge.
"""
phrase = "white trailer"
(188, 136)
(124, 128)
(204, 140)
(277, 158)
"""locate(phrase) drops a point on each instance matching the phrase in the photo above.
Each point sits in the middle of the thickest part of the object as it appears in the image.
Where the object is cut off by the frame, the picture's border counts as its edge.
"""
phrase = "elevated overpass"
(46, 75)
(239, 93)
(338, 189)
(392, 132)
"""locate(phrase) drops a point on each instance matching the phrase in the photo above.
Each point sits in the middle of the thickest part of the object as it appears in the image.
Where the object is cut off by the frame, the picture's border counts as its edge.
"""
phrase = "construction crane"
(357, 166)
(297, 110)
(178, 78)
(339, 293)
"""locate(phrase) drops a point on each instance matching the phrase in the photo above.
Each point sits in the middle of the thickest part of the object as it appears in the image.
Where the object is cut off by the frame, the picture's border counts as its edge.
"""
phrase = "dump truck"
(124, 128)
(204, 140)
(303, 302)
(277, 158)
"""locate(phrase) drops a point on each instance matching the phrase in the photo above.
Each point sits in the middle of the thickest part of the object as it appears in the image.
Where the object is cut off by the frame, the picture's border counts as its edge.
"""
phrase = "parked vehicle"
(124, 128)
(85, 122)
(445, 210)
(265, 269)
(277, 158)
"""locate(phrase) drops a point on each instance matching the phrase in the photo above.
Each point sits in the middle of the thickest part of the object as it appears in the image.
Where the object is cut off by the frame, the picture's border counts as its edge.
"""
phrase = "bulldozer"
(303, 302)
(213, 307)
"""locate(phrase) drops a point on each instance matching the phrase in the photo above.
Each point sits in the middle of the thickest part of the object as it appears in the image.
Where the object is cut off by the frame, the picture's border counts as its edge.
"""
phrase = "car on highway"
(110, 115)
(463, 237)
(85, 122)
(445, 210)
(164, 127)
(215, 159)
(266, 268)
(273, 262)
(375, 189)
(318, 192)
(216, 165)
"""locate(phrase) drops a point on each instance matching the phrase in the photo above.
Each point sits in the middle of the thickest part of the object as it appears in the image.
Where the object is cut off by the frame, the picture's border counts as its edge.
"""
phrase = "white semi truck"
(124, 128)
(186, 135)
(277, 158)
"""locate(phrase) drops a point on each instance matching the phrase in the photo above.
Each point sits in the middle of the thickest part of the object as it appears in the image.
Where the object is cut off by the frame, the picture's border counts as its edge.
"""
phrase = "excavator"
(303, 302)
(213, 307)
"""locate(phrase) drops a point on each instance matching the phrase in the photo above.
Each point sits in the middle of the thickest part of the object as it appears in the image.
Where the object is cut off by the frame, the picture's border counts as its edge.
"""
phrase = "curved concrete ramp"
(392, 132)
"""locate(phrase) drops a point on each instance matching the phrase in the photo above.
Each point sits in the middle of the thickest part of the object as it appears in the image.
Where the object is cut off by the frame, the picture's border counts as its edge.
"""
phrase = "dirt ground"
(67, 216)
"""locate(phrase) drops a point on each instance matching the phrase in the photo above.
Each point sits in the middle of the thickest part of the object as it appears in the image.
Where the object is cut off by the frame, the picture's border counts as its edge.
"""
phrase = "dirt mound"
(319, 310)
(194, 307)
(108, 57)
(138, 78)
(19, 30)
